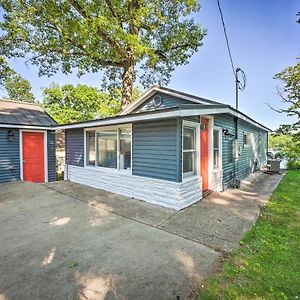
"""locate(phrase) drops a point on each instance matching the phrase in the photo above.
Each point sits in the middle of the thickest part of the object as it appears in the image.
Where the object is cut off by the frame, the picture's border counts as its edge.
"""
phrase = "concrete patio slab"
(221, 219)
(55, 247)
(137, 210)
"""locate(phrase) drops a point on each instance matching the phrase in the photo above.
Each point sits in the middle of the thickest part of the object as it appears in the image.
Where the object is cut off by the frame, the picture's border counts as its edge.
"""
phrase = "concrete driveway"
(66, 241)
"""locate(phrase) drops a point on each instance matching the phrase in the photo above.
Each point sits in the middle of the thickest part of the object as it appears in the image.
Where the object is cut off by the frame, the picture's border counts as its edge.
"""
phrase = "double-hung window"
(109, 147)
(189, 150)
(217, 135)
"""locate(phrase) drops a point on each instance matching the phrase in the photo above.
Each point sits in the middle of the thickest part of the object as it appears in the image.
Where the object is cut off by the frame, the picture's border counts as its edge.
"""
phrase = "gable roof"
(166, 91)
(185, 110)
(19, 114)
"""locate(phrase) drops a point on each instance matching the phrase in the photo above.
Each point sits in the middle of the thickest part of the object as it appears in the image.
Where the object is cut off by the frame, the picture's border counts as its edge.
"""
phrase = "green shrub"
(293, 164)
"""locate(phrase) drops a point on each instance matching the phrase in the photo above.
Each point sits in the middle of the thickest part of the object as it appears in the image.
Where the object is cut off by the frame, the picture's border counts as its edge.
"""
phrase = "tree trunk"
(128, 79)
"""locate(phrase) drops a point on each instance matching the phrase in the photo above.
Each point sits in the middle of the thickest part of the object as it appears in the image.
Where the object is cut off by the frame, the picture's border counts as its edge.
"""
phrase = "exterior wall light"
(10, 135)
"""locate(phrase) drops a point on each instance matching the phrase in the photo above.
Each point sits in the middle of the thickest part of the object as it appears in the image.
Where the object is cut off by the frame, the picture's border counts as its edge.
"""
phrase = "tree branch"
(113, 11)
(162, 55)
(286, 111)
(107, 63)
(279, 93)
(100, 32)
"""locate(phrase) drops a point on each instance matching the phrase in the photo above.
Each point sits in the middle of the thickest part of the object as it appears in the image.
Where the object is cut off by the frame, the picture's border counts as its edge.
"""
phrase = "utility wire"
(226, 38)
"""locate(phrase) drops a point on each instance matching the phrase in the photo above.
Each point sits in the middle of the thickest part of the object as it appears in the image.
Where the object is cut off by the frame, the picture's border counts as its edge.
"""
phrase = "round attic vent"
(157, 101)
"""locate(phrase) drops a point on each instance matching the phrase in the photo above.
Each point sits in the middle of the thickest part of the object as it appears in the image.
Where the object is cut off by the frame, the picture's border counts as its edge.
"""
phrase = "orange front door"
(204, 153)
(33, 156)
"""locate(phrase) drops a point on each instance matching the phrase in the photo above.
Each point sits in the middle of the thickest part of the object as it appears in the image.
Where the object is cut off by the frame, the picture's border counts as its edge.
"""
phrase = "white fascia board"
(125, 119)
(25, 127)
(140, 100)
(162, 115)
(206, 111)
(211, 111)
(247, 119)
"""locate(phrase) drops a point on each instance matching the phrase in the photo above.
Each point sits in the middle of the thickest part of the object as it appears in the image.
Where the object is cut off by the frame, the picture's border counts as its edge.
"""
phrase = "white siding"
(176, 195)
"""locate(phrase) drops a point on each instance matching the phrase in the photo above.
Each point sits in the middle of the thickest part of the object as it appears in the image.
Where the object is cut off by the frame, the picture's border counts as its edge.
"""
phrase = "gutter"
(186, 110)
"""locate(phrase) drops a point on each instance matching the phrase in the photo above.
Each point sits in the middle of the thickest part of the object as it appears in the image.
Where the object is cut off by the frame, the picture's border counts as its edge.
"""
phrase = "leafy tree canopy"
(290, 94)
(68, 103)
(5, 70)
(286, 145)
(124, 38)
(15, 86)
(18, 88)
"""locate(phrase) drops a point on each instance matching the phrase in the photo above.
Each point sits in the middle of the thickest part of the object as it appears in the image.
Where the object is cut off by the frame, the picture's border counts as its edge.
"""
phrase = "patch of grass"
(267, 264)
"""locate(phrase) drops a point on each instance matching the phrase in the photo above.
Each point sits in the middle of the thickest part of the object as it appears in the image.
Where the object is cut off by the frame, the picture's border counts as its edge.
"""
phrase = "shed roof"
(22, 113)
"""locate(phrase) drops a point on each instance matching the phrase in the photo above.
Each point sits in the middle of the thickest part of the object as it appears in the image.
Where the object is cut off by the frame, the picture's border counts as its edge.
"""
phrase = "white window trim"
(251, 136)
(115, 127)
(219, 129)
(45, 151)
(186, 176)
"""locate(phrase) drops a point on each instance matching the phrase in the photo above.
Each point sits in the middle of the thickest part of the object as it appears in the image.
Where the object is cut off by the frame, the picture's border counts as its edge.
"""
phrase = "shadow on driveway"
(63, 240)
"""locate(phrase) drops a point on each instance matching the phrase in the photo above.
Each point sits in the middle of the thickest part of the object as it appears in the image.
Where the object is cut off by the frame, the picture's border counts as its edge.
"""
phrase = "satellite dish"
(157, 101)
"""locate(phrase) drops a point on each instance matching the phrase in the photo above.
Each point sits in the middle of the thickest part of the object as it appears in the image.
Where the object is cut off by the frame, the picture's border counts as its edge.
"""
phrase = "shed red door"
(33, 156)
(204, 154)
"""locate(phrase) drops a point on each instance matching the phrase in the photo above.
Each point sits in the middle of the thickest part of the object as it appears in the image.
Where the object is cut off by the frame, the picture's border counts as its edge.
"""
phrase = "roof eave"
(20, 126)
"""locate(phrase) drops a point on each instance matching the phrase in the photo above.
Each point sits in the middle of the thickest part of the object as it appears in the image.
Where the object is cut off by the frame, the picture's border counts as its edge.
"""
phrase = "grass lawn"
(267, 264)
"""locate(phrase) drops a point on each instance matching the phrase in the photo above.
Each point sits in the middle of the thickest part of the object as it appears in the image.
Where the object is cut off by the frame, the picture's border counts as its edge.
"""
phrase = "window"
(125, 148)
(91, 157)
(216, 148)
(189, 151)
(247, 139)
(109, 147)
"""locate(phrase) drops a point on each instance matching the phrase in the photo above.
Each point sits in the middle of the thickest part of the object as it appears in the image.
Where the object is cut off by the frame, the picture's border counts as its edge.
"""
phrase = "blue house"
(166, 148)
(27, 143)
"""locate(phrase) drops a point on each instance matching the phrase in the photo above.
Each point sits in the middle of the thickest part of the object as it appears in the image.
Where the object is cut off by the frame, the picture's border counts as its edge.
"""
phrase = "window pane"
(216, 139)
(91, 154)
(216, 159)
(216, 149)
(125, 148)
(189, 138)
(107, 148)
(189, 162)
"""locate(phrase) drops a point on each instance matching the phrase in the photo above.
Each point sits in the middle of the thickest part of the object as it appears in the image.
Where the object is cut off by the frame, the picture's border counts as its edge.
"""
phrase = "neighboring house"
(27, 143)
(166, 148)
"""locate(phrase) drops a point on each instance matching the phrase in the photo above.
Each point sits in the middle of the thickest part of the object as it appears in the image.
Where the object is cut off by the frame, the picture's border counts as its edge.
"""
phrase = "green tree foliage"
(290, 94)
(124, 38)
(68, 103)
(5, 70)
(16, 87)
(286, 143)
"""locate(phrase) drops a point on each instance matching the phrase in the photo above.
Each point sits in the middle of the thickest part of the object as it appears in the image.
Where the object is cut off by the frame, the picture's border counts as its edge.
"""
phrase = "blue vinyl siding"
(9, 156)
(155, 149)
(51, 156)
(167, 102)
(75, 147)
(248, 160)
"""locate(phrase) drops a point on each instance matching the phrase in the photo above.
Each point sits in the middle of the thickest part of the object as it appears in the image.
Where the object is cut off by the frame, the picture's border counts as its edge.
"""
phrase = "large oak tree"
(125, 38)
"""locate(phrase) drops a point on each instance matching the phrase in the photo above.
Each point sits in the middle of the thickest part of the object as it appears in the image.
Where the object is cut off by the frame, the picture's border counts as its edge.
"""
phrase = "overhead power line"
(226, 38)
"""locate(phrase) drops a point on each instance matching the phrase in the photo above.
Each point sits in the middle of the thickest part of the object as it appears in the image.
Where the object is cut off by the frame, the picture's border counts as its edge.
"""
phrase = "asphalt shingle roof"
(21, 113)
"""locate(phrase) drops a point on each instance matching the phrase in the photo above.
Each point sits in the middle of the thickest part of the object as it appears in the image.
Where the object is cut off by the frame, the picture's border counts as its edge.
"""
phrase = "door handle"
(24, 161)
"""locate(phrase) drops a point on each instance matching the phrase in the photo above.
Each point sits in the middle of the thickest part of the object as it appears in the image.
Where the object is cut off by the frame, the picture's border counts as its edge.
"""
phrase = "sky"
(264, 39)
